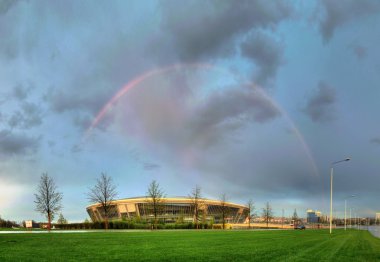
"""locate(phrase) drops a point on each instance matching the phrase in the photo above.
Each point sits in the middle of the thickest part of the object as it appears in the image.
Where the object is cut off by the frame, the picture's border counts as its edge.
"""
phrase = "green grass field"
(308, 245)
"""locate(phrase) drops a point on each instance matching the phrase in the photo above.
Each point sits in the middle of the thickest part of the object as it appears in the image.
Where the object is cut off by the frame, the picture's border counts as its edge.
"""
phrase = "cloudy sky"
(254, 99)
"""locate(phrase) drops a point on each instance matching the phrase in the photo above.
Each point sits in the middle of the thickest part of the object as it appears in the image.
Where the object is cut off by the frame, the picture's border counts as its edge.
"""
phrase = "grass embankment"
(309, 245)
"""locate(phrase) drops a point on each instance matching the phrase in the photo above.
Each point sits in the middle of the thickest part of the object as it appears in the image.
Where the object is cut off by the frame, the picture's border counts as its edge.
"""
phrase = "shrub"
(132, 224)
(217, 226)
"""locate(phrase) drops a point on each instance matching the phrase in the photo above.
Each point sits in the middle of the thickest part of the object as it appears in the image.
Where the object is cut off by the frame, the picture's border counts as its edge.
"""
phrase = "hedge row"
(130, 225)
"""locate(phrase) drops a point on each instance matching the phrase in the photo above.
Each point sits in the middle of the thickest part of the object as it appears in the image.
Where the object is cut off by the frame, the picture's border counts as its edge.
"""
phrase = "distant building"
(30, 224)
(378, 216)
(313, 216)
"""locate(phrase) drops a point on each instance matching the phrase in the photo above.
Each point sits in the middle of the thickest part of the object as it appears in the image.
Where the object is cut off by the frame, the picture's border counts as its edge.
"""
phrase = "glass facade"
(313, 216)
(171, 210)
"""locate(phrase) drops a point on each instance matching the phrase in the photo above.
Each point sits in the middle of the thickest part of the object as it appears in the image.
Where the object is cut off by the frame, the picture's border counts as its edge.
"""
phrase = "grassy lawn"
(308, 245)
(18, 229)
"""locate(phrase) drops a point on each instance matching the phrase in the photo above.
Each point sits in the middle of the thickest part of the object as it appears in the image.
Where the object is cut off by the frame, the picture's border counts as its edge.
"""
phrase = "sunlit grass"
(212, 245)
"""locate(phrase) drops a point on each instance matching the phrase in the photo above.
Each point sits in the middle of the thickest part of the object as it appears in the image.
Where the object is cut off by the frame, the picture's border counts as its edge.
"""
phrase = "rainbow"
(136, 81)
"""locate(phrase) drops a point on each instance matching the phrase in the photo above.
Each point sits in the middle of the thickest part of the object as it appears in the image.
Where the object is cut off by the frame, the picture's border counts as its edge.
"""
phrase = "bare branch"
(224, 209)
(267, 213)
(251, 211)
(154, 198)
(48, 199)
(104, 192)
(196, 204)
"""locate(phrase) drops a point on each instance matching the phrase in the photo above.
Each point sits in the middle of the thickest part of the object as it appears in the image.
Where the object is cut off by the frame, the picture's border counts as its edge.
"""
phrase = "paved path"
(375, 230)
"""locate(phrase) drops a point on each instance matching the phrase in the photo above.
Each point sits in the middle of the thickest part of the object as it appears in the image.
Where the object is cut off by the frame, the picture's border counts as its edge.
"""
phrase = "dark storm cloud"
(76, 148)
(21, 92)
(193, 123)
(228, 111)
(248, 168)
(200, 136)
(207, 33)
(29, 116)
(9, 45)
(375, 140)
(359, 51)
(235, 103)
(71, 100)
(51, 143)
(320, 105)
(12, 143)
(265, 53)
(20, 36)
(82, 121)
(338, 13)
(212, 25)
(119, 58)
(5, 5)
(110, 48)
(16, 119)
(151, 166)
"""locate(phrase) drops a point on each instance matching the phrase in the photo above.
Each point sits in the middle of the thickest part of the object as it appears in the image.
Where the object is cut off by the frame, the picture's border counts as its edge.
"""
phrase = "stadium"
(172, 210)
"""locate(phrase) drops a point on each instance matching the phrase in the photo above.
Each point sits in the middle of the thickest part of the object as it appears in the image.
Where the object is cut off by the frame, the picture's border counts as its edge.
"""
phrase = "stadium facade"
(171, 210)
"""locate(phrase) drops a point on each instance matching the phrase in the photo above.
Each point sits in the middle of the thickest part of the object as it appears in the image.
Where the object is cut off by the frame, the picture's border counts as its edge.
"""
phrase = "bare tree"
(267, 213)
(196, 204)
(104, 192)
(251, 211)
(61, 219)
(48, 199)
(154, 199)
(224, 209)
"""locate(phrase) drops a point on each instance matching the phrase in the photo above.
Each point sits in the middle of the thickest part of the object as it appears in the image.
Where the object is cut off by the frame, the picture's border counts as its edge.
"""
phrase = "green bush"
(217, 226)
(132, 224)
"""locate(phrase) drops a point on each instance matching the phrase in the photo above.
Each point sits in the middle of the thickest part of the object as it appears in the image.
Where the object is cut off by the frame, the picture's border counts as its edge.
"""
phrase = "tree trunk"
(106, 223)
(155, 216)
(196, 219)
(49, 222)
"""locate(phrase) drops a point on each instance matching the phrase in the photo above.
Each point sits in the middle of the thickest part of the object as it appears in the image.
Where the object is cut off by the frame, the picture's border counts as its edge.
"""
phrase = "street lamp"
(356, 220)
(350, 218)
(331, 187)
(345, 211)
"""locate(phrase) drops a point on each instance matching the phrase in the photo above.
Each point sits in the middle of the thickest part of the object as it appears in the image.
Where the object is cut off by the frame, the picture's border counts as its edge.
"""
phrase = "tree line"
(7, 223)
(48, 201)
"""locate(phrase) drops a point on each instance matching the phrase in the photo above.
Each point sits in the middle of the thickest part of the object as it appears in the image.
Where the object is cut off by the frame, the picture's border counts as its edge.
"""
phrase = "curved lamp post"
(331, 187)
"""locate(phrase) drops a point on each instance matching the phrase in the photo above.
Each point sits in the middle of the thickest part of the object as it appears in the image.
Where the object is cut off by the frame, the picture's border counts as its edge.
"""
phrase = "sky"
(252, 99)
